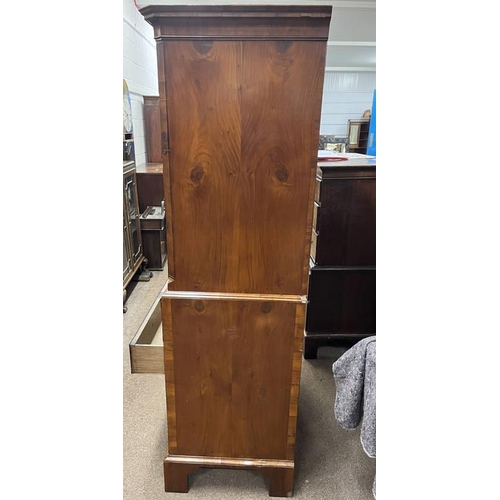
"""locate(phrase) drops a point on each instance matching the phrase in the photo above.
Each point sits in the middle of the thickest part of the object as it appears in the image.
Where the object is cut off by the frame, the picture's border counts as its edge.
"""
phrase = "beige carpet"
(330, 462)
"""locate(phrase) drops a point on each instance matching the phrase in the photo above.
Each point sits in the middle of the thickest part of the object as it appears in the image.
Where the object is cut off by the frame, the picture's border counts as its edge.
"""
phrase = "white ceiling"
(351, 43)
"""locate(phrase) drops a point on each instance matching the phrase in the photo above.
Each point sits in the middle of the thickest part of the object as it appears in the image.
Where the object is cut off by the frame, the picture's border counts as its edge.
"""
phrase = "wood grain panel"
(164, 117)
(342, 300)
(279, 151)
(168, 354)
(150, 189)
(347, 229)
(232, 372)
(298, 341)
(152, 126)
(244, 125)
(205, 135)
(146, 359)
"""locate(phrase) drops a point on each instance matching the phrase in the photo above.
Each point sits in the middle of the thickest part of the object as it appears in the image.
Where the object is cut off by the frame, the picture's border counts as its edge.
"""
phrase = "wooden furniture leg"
(177, 476)
(280, 482)
(310, 348)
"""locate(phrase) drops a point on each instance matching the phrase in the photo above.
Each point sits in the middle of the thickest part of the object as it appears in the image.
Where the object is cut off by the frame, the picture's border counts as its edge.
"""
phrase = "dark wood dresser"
(342, 284)
(151, 194)
(240, 105)
(150, 188)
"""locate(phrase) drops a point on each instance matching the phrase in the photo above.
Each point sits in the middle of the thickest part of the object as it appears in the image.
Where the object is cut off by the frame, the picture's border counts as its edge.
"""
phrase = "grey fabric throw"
(355, 379)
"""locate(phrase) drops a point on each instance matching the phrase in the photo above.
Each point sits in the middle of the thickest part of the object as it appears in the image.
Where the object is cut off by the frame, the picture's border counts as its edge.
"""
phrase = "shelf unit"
(357, 133)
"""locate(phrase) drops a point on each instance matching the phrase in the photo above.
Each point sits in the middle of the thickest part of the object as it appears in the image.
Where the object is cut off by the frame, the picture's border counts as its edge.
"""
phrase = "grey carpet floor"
(330, 462)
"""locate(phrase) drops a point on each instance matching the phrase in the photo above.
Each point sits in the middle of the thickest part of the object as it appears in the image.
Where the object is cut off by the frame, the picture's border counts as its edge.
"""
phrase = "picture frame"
(337, 147)
(354, 134)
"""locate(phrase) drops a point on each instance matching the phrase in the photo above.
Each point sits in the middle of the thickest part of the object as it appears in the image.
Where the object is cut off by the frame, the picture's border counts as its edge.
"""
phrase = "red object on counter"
(332, 158)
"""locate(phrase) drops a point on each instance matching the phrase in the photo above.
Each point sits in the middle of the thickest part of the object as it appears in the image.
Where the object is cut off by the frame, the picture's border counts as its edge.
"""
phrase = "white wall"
(345, 96)
(139, 69)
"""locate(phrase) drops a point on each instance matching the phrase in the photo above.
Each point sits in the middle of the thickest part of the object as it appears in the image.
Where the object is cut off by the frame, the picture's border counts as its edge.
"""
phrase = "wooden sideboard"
(151, 193)
(342, 283)
(150, 187)
(240, 104)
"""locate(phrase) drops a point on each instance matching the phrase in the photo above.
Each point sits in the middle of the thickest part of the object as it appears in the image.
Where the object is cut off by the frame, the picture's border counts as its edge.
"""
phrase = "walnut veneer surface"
(240, 103)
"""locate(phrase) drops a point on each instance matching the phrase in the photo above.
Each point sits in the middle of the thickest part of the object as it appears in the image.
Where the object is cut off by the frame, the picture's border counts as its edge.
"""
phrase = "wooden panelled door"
(239, 172)
(240, 103)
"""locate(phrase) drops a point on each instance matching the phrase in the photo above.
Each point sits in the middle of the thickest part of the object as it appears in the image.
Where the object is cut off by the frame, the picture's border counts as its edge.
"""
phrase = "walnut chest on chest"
(240, 102)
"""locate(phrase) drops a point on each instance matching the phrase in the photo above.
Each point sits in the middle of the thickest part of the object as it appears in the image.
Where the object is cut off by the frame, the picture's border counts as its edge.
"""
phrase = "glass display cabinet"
(133, 255)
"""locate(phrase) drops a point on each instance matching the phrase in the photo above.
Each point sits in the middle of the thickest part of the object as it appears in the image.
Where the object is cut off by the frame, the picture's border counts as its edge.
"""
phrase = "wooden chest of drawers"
(342, 283)
(150, 188)
(240, 104)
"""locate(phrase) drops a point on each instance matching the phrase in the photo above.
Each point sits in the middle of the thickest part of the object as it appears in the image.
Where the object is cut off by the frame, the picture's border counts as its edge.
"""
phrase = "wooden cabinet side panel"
(243, 123)
(150, 190)
(341, 301)
(152, 125)
(229, 378)
(298, 342)
(165, 131)
(168, 357)
(347, 226)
